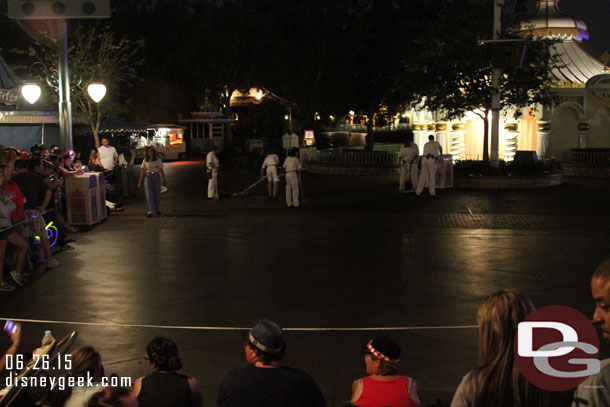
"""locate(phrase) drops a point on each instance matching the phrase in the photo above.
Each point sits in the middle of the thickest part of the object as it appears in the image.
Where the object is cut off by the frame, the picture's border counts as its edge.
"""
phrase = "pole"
(65, 107)
(290, 118)
(495, 101)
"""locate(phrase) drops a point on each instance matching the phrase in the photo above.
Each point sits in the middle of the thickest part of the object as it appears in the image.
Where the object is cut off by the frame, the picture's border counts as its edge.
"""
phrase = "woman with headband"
(384, 386)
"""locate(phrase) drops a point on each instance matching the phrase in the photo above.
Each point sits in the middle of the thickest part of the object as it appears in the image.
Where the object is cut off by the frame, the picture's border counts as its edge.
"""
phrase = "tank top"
(165, 389)
(380, 394)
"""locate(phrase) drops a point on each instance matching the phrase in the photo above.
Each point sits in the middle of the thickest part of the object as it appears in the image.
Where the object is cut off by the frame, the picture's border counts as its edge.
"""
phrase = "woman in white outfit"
(213, 165)
(292, 167)
(272, 161)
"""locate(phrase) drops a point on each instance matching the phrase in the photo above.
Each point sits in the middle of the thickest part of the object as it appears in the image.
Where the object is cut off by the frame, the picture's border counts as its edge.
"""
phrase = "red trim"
(380, 355)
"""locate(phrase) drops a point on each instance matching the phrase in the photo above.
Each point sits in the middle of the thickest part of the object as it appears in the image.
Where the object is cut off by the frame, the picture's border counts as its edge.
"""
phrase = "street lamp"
(96, 91)
(31, 91)
(60, 11)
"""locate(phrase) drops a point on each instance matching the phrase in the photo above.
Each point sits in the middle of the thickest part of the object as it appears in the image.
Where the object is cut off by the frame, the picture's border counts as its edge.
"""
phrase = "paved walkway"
(358, 254)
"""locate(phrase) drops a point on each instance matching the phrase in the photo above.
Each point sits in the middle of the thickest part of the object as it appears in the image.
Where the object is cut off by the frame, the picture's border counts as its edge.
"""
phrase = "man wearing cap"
(595, 391)
(264, 382)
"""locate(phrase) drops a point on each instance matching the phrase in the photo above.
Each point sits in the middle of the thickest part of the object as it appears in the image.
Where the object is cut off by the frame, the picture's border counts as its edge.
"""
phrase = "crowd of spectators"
(265, 381)
(32, 196)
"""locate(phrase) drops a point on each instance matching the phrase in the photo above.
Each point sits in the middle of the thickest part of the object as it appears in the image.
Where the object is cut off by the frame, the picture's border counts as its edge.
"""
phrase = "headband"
(380, 355)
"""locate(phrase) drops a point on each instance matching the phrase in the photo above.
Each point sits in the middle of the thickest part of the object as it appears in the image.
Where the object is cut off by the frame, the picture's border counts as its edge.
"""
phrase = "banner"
(8, 97)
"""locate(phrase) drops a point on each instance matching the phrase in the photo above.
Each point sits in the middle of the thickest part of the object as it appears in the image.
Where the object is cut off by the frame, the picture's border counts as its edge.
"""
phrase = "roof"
(576, 66)
(27, 117)
(549, 21)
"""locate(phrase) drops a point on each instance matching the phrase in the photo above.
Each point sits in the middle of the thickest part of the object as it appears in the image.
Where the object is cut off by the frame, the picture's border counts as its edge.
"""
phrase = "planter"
(340, 169)
(586, 170)
(509, 182)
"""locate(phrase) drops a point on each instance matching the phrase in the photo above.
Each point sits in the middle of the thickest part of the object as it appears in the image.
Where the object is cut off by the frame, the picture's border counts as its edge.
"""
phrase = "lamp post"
(60, 10)
(494, 157)
(31, 92)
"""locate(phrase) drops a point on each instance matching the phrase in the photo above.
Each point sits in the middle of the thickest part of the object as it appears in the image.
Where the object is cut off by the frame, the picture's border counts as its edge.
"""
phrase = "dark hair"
(154, 157)
(21, 164)
(214, 147)
(385, 368)
(163, 353)
(109, 397)
(85, 360)
(603, 270)
(34, 162)
(293, 152)
(431, 137)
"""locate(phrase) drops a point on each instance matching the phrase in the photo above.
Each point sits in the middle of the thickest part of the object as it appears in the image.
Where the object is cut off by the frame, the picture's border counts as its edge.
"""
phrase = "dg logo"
(557, 348)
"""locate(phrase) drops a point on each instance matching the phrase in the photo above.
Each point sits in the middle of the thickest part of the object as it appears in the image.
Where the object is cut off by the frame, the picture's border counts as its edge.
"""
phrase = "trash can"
(444, 171)
(86, 198)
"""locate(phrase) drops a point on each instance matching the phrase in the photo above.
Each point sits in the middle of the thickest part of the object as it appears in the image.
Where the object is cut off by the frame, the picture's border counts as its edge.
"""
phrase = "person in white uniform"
(432, 150)
(213, 166)
(408, 165)
(292, 166)
(272, 161)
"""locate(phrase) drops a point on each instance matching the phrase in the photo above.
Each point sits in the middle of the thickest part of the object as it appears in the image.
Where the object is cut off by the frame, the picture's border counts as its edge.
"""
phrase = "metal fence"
(337, 156)
(588, 157)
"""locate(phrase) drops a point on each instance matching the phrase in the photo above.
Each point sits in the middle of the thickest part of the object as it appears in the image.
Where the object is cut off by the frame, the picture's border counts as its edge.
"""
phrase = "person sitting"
(384, 387)
(86, 362)
(264, 382)
(38, 196)
(497, 381)
(164, 387)
(113, 397)
(8, 233)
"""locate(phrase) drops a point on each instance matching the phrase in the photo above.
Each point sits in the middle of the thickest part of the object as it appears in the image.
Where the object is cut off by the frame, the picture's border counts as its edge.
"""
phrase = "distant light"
(317, 117)
(351, 113)
(286, 117)
(96, 91)
(331, 117)
(30, 92)
(259, 95)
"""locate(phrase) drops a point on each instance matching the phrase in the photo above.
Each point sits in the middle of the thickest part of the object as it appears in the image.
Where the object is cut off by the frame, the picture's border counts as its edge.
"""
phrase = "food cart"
(167, 139)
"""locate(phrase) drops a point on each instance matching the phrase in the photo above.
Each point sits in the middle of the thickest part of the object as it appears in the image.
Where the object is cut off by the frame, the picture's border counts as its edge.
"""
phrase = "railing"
(337, 156)
(588, 157)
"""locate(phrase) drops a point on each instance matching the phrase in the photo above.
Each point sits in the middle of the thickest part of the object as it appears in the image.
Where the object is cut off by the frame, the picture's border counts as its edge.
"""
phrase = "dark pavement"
(357, 255)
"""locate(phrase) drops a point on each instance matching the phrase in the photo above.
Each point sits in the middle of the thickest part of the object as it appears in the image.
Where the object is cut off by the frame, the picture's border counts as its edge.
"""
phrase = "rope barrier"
(237, 328)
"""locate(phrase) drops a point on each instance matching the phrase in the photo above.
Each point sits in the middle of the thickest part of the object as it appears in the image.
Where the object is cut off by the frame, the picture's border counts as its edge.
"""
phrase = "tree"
(458, 70)
(95, 54)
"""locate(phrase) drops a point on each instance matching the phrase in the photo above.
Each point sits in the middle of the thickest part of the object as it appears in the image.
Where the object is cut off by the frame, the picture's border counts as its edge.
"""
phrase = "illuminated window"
(175, 138)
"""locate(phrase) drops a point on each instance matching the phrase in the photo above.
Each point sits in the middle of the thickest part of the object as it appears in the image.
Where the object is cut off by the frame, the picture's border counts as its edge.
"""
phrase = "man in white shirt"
(108, 155)
(408, 165)
(432, 150)
(292, 166)
(272, 161)
(213, 165)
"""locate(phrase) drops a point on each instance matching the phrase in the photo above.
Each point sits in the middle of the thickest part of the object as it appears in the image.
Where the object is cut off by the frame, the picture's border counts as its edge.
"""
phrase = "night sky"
(596, 14)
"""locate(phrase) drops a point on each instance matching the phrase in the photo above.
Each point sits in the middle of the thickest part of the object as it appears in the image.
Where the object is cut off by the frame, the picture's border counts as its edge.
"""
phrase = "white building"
(580, 120)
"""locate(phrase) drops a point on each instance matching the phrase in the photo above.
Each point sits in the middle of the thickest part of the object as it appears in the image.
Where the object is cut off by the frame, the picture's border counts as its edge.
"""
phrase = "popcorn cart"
(167, 139)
